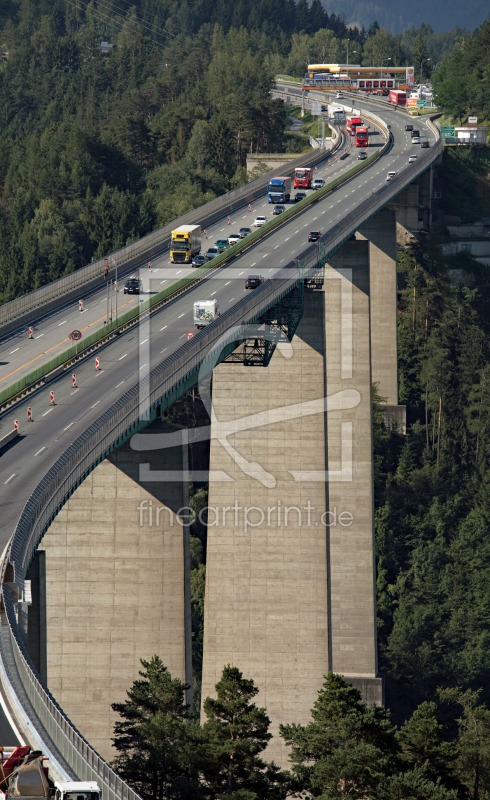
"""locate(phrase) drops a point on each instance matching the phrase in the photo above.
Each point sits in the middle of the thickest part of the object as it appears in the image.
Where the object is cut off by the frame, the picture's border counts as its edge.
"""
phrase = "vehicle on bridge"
(253, 281)
(279, 190)
(185, 243)
(302, 178)
(278, 210)
(318, 183)
(205, 311)
(133, 285)
(314, 236)
(353, 123)
(362, 136)
(259, 221)
(221, 244)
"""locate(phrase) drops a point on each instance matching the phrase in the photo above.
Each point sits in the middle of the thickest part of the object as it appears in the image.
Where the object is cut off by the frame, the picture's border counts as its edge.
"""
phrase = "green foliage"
(462, 81)
(154, 738)
(236, 732)
(346, 749)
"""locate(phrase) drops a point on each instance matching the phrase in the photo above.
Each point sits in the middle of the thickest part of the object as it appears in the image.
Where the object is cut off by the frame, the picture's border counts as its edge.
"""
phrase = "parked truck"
(185, 243)
(205, 311)
(279, 190)
(25, 776)
(398, 97)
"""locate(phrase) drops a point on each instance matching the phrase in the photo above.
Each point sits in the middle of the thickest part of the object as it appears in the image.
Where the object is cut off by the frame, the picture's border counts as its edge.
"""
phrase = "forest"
(101, 144)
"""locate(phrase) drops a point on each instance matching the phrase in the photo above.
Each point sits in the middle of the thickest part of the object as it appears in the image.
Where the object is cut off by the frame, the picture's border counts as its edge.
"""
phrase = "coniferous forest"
(102, 144)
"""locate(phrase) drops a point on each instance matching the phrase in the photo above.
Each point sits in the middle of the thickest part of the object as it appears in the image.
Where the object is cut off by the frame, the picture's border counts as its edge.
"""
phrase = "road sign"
(76, 335)
(421, 103)
(447, 130)
(472, 120)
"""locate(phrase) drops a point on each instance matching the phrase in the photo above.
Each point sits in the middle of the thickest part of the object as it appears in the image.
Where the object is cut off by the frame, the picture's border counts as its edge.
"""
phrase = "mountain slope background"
(397, 15)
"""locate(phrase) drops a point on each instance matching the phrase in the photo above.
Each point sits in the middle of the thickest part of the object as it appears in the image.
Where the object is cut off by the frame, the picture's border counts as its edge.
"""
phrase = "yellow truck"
(185, 243)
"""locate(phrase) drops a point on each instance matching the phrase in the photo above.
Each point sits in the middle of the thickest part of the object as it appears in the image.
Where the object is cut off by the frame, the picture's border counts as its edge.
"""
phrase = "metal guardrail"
(113, 427)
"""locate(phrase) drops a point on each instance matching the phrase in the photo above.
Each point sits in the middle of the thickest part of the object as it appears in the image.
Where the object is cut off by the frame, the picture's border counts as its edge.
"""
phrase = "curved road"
(53, 428)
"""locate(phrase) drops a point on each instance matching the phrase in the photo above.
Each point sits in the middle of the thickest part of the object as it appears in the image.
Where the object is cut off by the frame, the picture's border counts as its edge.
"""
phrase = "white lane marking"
(103, 301)
(40, 451)
(180, 316)
(165, 281)
(241, 273)
(62, 323)
(213, 293)
(178, 272)
(276, 246)
(68, 426)
(95, 404)
(144, 341)
(117, 387)
(253, 265)
(227, 283)
(144, 365)
(124, 356)
(165, 348)
(47, 412)
(11, 478)
(38, 337)
(162, 329)
(231, 301)
(14, 351)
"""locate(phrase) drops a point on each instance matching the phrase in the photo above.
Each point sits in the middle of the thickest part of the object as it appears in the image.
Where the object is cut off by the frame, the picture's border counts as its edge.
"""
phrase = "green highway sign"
(421, 102)
(447, 130)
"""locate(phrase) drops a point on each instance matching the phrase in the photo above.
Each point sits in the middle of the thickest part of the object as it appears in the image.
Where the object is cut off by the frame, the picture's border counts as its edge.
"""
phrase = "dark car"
(253, 281)
(361, 156)
(409, 127)
(278, 209)
(314, 236)
(199, 260)
(299, 196)
(425, 143)
(415, 132)
(133, 286)
(244, 232)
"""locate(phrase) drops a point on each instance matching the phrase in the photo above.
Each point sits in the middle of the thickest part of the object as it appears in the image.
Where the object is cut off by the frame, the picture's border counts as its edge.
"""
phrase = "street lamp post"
(424, 61)
(353, 52)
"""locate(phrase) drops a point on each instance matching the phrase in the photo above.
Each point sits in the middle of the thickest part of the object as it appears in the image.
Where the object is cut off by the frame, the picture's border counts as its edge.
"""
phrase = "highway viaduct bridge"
(290, 588)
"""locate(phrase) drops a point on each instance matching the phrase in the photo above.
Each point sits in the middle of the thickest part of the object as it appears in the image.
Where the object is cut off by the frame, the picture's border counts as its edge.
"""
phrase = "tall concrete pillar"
(266, 576)
(116, 587)
(380, 231)
(290, 558)
(352, 583)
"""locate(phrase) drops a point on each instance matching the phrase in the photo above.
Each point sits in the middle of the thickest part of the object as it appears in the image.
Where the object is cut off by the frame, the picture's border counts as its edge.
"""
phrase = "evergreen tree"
(347, 748)
(235, 733)
(155, 740)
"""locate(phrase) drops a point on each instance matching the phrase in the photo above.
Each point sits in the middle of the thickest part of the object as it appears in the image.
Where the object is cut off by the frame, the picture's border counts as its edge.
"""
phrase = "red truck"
(398, 97)
(353, 123)
(362, 136)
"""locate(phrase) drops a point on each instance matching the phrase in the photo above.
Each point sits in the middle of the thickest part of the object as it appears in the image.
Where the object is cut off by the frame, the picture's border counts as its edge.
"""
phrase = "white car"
(338, 95)
(233, 238)
(412, 158)
(259, 221)
(318, 183)
(391, 175)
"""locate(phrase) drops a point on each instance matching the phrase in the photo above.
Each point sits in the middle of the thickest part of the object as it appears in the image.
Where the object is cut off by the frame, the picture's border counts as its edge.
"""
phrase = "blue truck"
(279, 190)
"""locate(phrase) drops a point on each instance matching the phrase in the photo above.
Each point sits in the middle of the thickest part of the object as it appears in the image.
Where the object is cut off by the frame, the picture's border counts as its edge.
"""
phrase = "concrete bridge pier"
(290, 580)
(114, 572)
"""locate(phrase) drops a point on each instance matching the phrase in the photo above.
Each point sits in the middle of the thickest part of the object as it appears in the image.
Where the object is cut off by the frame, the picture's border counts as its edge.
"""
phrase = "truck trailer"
(279, 190)
(398, 97)
(353, 123)
(205, 311)
(185, 243)
(25, 776)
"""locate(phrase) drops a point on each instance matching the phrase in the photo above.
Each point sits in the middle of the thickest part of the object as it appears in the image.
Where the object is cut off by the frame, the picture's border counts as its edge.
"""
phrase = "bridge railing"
(112, 428)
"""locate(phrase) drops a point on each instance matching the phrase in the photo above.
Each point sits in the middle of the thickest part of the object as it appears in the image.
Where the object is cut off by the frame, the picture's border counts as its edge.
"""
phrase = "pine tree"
(236, 732)
(155, 740)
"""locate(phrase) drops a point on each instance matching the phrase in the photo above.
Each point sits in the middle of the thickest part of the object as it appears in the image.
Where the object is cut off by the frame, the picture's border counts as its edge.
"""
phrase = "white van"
(391, 175)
